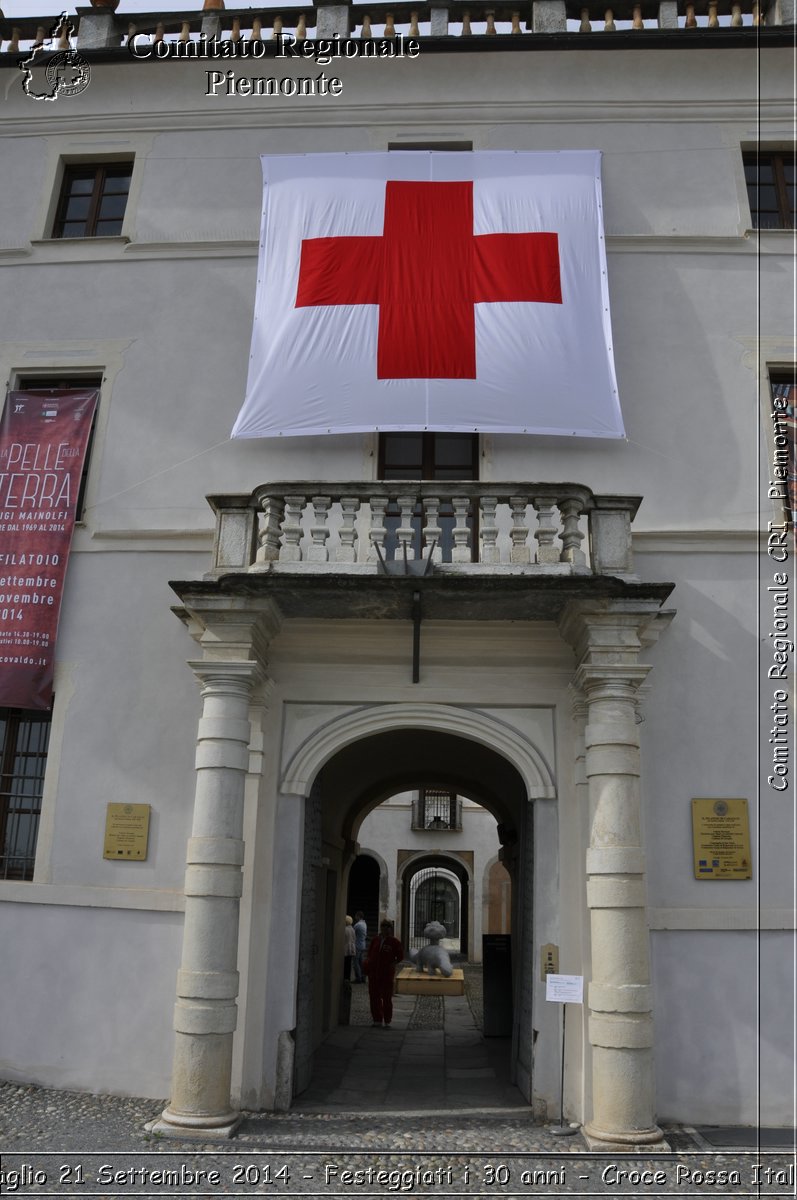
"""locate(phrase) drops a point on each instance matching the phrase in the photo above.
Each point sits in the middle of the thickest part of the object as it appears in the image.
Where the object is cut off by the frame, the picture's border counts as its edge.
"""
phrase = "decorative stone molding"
(475, 725)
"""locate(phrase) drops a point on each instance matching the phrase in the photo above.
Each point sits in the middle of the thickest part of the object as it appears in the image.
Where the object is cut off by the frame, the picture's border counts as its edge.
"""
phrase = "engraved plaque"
(721, 839)
(549, 960)
(126, 832)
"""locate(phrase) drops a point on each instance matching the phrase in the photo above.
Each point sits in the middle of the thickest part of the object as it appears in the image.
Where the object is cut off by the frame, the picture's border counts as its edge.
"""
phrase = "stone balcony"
(468, 551)
(413, 527)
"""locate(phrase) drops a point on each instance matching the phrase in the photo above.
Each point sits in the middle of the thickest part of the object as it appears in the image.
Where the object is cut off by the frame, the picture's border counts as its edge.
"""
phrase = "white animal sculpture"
(432, 957)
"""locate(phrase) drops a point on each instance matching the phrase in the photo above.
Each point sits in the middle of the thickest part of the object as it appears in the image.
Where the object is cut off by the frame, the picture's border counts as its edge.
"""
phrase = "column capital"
(608, 626)
(609, 681)
(216, 676)
(231, 628)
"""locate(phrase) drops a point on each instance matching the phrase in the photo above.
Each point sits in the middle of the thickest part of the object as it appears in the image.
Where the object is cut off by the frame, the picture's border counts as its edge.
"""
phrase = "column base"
(207, 1129)
(651, 1140)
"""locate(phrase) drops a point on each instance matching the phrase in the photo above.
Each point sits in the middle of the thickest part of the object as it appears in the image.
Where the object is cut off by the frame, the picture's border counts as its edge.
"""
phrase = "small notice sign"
(126, 832)
(721, 839)
(549, 960)
(565, 989)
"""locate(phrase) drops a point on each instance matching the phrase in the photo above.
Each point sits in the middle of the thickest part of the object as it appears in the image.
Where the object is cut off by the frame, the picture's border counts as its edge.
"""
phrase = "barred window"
(24, 738)
(437, 808)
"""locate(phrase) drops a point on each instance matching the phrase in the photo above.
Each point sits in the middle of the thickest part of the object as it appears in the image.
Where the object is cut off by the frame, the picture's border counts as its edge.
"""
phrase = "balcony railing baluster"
(572, 536)
(545, 533)
(378, 531)
(489, 530)
(521, 551)
(319, 530)
(273, 516)
(461, 551)
(347, 550)
(291, 551)
(432, 531)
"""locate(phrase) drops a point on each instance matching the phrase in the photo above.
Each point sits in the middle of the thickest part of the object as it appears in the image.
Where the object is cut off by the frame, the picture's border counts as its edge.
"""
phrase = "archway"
(435, 896)
(435, 887)
(352, 779)
(362, 894)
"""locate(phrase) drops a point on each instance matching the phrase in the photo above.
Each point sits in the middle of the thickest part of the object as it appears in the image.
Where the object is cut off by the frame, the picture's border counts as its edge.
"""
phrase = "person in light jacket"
(349, 947)
(361, 941)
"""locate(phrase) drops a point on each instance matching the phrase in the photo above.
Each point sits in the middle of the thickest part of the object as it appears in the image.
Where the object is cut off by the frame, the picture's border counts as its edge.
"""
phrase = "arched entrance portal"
(435, 888)
(356, 778)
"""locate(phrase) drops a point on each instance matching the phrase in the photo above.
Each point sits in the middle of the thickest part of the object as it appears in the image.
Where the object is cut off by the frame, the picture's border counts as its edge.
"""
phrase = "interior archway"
(435, 887)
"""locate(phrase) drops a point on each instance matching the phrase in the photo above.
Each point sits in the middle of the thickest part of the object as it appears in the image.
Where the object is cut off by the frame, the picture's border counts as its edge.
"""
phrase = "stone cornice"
(369, 114)
(50, 252)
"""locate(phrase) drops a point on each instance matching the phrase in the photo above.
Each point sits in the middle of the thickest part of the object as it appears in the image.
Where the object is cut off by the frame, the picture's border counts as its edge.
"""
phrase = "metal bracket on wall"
(411, 566)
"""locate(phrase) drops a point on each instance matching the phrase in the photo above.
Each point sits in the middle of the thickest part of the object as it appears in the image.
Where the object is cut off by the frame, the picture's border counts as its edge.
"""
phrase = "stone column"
(609, 675)
(207, 983)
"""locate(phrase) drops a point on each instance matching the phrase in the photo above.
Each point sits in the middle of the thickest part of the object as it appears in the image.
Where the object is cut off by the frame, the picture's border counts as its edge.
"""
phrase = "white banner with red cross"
(419, 290)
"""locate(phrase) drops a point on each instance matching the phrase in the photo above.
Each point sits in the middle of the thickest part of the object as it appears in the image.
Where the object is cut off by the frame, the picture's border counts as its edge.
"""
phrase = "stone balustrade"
(461, 527)
(102, 29)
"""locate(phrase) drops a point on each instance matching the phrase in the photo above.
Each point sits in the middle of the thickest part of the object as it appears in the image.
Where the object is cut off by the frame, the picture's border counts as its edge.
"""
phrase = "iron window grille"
(437, 809)
(436, 899)
(24, 739)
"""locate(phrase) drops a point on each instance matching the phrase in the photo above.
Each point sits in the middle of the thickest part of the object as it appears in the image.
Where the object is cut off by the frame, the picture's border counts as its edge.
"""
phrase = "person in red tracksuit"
(380, 967)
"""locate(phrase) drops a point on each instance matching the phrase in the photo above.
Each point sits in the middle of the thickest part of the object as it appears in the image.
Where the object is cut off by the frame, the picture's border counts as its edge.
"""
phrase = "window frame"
(776, 159)
(428, 463)
(452, 146)
(437, 795)
(428, 471)
(102, 170)
(12, 748)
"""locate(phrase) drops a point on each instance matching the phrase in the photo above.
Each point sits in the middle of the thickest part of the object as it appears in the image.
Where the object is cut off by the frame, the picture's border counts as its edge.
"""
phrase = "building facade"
(584, 657)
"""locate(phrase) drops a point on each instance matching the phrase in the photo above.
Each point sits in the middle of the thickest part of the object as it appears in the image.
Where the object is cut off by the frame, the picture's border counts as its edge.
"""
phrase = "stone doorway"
(352, 782)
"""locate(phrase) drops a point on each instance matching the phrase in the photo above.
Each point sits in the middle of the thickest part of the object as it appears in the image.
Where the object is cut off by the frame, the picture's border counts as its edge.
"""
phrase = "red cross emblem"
(425, 273)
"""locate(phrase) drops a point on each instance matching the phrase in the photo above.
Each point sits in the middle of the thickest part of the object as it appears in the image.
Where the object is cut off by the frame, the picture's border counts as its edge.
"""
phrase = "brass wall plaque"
(549, 960)
(721, 839)
(126, 832)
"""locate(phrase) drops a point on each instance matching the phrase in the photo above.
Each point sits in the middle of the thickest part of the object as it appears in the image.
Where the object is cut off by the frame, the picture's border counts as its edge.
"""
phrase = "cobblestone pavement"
(64, 1144)
(55, 1143)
